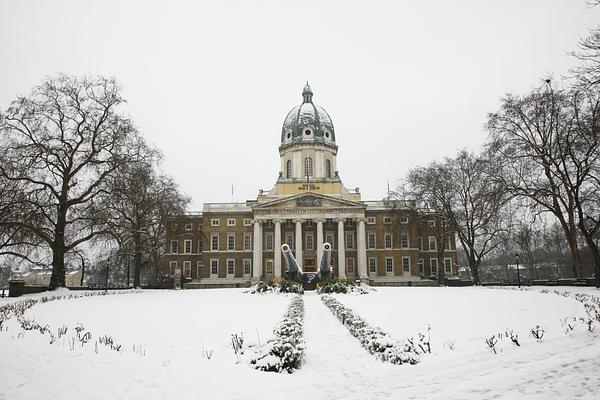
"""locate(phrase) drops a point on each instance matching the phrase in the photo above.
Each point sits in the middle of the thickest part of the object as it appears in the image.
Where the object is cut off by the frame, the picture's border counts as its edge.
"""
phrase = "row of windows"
(432, 243)
(389, 265)
(308, 168)
(230, 221)
(230, 267)
(308, 242)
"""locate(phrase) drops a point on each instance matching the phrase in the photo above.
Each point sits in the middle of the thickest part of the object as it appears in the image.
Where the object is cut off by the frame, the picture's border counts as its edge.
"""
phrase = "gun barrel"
(290, 261)
(325, 267)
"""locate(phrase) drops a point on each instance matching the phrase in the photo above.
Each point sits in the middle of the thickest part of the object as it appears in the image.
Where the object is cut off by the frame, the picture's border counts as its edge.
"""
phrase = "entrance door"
(309, 265)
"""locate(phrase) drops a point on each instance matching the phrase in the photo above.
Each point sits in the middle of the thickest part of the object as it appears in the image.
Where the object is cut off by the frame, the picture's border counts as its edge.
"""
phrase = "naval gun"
(293, 269)
(325, 267)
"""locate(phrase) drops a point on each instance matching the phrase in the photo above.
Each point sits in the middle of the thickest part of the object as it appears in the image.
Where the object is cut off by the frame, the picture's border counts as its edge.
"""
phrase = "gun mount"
(325, 267)
(293, 269)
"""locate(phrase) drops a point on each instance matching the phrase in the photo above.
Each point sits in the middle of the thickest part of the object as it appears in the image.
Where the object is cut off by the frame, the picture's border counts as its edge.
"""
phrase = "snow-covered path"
(335, 363)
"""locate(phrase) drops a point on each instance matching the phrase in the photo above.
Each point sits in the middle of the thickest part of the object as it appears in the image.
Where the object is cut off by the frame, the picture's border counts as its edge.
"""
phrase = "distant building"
(375, 241)
(41, 277)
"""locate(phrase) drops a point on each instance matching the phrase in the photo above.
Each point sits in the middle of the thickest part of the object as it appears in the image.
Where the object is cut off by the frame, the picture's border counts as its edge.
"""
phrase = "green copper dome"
(307, 122)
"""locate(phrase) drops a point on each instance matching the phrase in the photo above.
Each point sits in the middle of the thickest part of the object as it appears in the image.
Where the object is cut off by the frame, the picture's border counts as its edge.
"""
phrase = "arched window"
(328, 169)
(308, 171)
(288, 169)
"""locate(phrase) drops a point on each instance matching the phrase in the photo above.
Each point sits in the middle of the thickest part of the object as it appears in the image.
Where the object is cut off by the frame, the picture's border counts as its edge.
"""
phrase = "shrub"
(375, 340)
(285, 350)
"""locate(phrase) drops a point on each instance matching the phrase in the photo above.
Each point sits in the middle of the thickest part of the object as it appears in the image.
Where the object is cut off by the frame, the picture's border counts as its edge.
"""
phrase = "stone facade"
(381, 242)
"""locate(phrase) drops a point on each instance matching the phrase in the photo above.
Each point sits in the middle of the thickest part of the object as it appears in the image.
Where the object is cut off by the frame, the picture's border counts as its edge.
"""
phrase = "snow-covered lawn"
(173, 330)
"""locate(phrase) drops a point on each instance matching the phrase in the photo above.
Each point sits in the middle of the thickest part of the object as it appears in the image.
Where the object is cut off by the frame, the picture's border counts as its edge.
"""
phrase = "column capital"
(317, 220)
(298, 220)
(361, 219)
(257, 221)
(278, 220)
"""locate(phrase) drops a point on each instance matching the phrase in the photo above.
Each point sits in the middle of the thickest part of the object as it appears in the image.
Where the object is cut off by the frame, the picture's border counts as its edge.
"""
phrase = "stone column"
(277, 249)
(362, 251)
(341, 246)
(319, 242)
(298, 244)
(257, 252)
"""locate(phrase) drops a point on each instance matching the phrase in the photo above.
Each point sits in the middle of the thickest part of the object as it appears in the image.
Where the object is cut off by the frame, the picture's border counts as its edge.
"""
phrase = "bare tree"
(588, 71)
(464, 191)
(136, 207)
(529, 133)
(60, 144)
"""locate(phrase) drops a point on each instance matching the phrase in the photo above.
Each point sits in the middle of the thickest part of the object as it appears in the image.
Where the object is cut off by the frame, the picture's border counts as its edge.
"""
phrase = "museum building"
(379, 242)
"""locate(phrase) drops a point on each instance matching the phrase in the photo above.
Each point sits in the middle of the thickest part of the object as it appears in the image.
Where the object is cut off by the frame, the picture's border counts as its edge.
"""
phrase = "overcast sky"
(210, 83)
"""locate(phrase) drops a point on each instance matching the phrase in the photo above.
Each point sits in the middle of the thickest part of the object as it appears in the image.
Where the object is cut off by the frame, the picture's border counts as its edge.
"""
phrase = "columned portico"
(257, 251)
(319, 242)
(362, 251)
(298, 243)
(277, 249)
(341, 246)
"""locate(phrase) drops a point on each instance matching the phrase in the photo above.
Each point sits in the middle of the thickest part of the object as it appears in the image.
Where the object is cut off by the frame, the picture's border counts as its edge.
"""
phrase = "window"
(290, 241)
(199, 246)
(328, 223)
(420, 243)
(373, 265)
(406, 264)
(421, 263)
(349, 240)
(327, 169)
(403, 219)
(172, 267)
(348, 222)
(404, 241)
(329, 239)
(308, 223)
(230, 267)
(387, 220)
(431, 223)
(187, 269)
(371, 241)
(371, 220)
(269, 242)
(389, 265)
(269, 267)
(247, 242)
(199, 226)
(198, 268)
(247, 266)
(308, 171)
(309, 242)
(174, 227)
(288, 169)
(214, 222)
(448, 265)
(214, 242)
(432, 243)
(247, 221)
(174, 246)
(433, 263)
(188, 227)
(214, 268)
(350, 266)
(289, 223)
(231, 242)
(446, 243)
(230, 221)
(187, 246)
(388, 240)
(269, 223)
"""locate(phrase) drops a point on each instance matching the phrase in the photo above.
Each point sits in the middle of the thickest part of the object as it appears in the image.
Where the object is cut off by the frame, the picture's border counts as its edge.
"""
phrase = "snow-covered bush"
(374, 339)
(277, 286)
(341, 286)
(285, 350)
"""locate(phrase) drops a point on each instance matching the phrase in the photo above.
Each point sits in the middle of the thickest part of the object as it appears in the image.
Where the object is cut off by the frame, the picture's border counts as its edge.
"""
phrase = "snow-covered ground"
(174, 330)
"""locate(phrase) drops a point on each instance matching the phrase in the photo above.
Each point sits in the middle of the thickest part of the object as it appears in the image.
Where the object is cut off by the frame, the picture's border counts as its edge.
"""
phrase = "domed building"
(379, 242)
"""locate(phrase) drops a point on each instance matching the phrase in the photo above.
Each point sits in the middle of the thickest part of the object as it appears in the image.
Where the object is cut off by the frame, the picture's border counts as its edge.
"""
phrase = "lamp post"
(106, 279)
(518, 274)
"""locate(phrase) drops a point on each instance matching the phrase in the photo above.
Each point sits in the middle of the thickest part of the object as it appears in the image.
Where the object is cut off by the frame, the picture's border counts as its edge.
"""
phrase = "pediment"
(309, 201)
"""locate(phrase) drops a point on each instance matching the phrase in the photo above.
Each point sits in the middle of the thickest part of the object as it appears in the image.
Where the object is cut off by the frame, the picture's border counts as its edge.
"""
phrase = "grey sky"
(210, 83)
